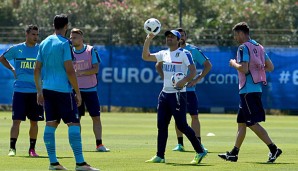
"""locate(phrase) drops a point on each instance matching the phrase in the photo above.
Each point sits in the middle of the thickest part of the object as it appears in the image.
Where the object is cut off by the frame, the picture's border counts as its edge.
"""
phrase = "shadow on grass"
(186, 151)
(265, 163)
(94, 151)
(189, 151)
(41, 157)
(189, 165)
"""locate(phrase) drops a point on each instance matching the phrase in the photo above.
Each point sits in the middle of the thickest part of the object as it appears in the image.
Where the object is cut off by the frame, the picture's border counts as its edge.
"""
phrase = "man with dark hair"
(54, 91)
(172, 100)
(86, 66)
(251, 64)
(24, 96)
(192, 100)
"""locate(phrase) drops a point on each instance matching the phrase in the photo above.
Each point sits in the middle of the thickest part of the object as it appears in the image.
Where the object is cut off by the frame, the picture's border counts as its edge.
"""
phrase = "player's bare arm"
(241, 67)
(207, 67)
(7, 65)
(269, 65)
(37, 80)
(73, 80)
(93, 70)
(189, 77)
(146, 53)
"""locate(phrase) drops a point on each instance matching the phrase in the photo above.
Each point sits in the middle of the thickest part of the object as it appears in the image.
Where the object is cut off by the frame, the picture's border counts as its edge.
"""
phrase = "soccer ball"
(177, 77)
(152, 25)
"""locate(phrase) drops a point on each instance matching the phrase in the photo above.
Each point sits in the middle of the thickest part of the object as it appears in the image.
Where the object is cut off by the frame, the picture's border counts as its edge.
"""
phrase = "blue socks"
(74, 136)
(49, 140)
(75, 141)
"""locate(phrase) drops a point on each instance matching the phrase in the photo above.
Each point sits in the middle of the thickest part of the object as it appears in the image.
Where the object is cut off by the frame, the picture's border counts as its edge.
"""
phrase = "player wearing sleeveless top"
(251, 64)
(86, 64)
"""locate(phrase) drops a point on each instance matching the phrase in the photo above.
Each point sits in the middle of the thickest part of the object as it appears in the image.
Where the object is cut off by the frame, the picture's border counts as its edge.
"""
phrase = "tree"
(121, 21)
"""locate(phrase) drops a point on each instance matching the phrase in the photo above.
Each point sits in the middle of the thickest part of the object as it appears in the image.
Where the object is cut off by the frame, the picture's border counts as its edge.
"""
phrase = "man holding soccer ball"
(172, 101)
(192, 100)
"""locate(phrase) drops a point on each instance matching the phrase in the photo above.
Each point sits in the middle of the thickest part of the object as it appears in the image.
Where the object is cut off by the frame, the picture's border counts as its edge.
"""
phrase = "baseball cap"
(174, 32)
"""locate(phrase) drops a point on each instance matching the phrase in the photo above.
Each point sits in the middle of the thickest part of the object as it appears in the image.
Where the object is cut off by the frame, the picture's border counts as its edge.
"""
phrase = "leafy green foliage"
(121, 21)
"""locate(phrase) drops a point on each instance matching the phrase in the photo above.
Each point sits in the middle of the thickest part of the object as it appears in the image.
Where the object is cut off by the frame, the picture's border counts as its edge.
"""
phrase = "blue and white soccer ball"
(177, 76)
(152, 25)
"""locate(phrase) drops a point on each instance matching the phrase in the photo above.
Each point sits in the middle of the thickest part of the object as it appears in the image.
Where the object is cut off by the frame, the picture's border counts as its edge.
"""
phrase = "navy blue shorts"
(91, 102)
(25, 104)
(251, 109)
(60, 106)
(192, 103)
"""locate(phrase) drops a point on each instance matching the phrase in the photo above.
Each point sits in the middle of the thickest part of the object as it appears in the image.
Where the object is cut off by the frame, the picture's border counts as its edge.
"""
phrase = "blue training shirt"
(95, 59)
(198, 58)
(53, 52)
(249, 86)
(24, 62)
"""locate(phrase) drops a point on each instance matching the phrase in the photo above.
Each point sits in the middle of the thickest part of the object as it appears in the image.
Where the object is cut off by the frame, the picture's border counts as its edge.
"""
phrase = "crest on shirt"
(177, 54)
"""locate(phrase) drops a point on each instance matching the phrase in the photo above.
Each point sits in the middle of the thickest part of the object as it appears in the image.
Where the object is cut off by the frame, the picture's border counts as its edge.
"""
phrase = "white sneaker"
(102, 148)
(85, 168)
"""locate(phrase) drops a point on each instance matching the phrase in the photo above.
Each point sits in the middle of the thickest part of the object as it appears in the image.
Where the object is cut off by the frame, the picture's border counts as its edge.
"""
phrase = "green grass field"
(132, 140)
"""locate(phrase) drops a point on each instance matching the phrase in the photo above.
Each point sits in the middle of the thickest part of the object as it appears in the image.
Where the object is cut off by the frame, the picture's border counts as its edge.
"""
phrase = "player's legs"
(178, 108)
(14, 133)
(33, 131)
(179, 134)
(240, 136)
(192, 109)
(163, 120)
(92, 104)
(180, 145)
(69, 114)
(97, 127)
(18, 115)
(82, 109)
(195, 125)
(35, 114)
(258, 115)
(250, 113)
(15, 129)
(261, 133)
(52, 122)
(75, 141)
(243, 118)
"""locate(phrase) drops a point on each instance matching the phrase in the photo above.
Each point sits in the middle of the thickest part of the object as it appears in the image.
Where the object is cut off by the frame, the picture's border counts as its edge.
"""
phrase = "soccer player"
(86, 65)
(251, 64)
(24, 102)
(192, 100)
(54, 91)
(172, 100)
